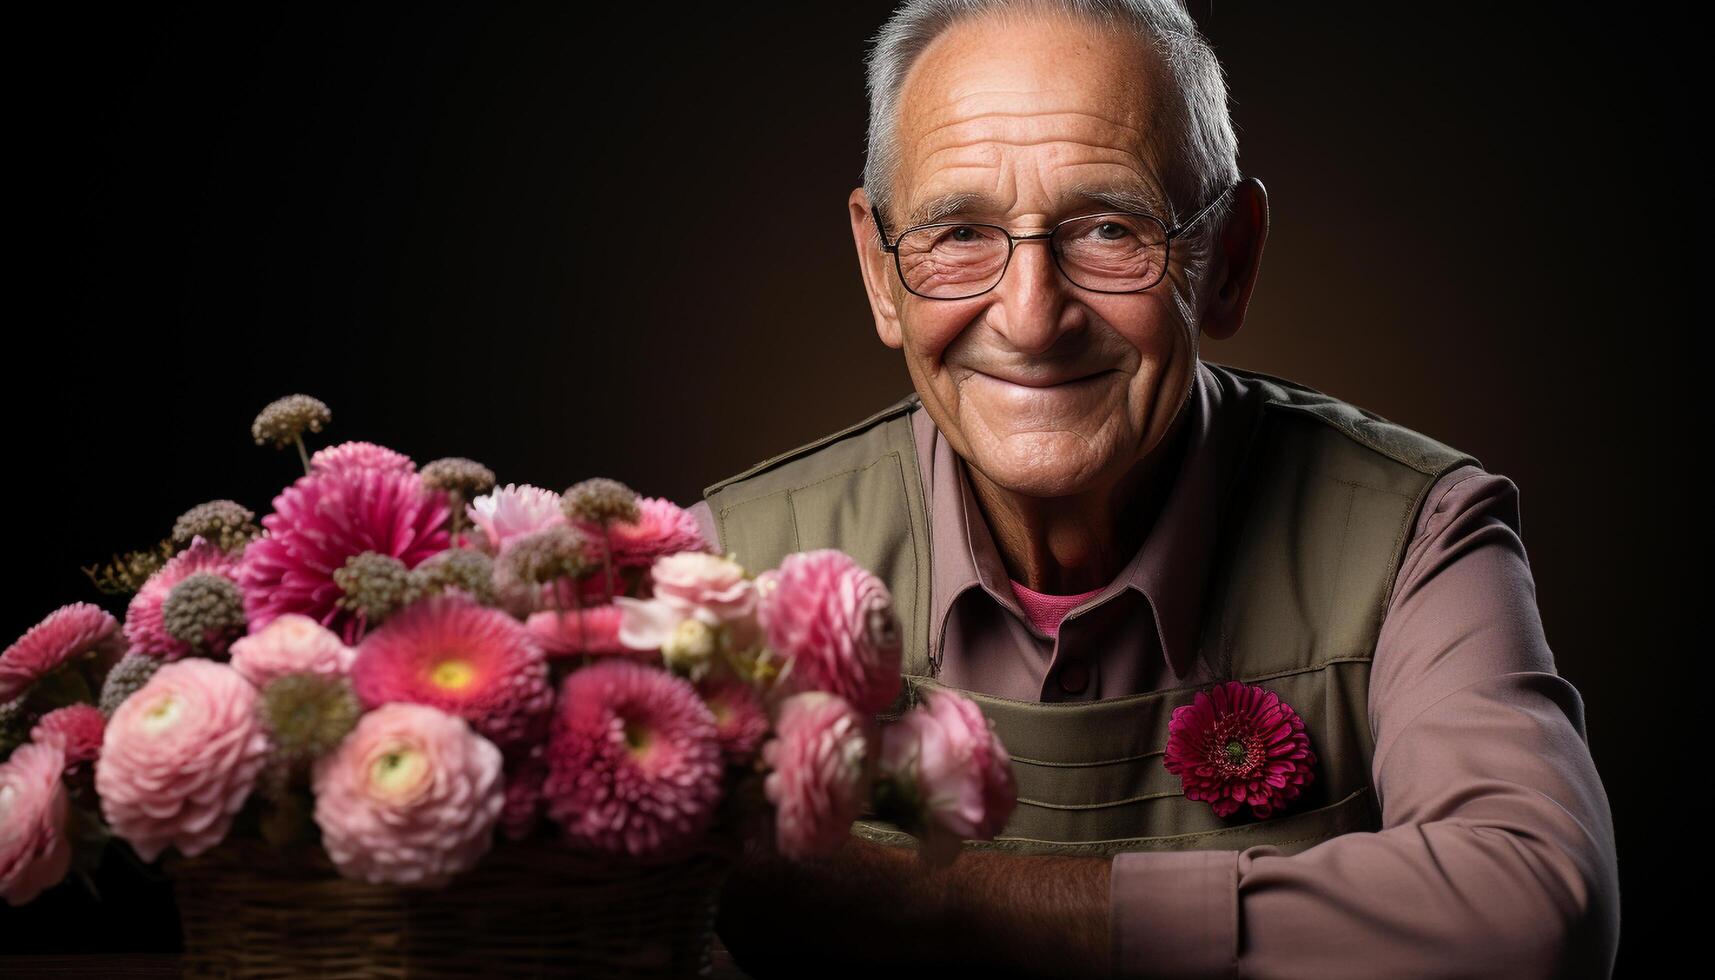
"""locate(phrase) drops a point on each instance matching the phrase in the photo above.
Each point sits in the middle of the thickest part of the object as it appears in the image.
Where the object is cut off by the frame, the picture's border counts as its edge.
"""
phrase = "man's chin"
(1050, 464)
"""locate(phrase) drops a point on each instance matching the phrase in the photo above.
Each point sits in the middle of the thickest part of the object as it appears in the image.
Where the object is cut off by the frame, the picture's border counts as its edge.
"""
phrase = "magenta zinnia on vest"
(1239, 744)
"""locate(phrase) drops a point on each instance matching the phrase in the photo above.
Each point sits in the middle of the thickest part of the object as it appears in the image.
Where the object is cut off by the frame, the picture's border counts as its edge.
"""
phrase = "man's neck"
(1072, 544)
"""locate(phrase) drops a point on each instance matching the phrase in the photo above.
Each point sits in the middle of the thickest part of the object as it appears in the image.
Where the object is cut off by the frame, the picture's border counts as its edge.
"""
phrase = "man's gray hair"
(1199, 147)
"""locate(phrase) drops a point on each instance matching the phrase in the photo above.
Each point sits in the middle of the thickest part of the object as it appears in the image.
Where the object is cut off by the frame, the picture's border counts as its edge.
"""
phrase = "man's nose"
(1032, 296)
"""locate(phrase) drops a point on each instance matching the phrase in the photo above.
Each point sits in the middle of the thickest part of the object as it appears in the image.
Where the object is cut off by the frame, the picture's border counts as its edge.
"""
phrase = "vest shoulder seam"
(900, 407)
(1358, 423)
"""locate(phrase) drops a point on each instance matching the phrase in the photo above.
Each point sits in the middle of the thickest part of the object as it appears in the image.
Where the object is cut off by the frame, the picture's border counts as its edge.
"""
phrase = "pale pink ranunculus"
(179, 758)
(35, 853)
(834, 624)
(410, 797)
(513, 511)
(696, 579)
(944, 755)
(692, 585)
(822, 766)
(292, 643)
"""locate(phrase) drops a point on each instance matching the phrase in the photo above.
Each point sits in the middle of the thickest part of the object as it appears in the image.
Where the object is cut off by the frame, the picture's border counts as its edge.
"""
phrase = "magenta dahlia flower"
(741, 721)
(81, 726)
(410, 797)
(467, 659)
(833, 621)
(180, 757)
(950, 770)
(365, 455)
(662, 528)
(634, 763)
(822, 768)
(146, 628)
(1239, 744)
(325, 518)
(65, 634)
(35, 853)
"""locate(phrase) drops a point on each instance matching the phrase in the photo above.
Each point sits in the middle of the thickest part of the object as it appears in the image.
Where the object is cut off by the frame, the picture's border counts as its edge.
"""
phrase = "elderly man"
(1087, 529)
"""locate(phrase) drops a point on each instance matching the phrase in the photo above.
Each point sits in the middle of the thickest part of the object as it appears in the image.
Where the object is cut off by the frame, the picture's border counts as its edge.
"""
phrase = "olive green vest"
(1322, 510)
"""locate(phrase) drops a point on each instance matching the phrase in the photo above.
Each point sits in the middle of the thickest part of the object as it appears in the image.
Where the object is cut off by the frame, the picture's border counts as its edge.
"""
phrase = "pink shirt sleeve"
(706, 520)
(1496, 855)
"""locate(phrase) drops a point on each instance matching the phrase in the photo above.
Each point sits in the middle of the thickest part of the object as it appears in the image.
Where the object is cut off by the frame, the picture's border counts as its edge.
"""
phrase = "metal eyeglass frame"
(1013, 240)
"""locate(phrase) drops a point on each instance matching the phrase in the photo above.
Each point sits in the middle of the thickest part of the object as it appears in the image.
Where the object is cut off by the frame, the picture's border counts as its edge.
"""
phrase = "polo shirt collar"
(1170, 569)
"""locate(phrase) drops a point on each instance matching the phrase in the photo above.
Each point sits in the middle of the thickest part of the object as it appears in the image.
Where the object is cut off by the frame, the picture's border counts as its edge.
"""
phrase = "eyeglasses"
(1111, 252)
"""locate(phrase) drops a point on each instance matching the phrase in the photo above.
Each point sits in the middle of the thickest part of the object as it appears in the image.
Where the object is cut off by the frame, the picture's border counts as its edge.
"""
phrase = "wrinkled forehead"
(988, 88)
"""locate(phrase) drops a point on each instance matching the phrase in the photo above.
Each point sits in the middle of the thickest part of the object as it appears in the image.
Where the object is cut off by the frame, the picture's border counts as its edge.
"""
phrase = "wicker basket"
(531, 909)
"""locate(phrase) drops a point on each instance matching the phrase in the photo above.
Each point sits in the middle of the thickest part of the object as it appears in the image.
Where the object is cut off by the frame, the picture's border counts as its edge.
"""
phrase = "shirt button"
(1074, 676)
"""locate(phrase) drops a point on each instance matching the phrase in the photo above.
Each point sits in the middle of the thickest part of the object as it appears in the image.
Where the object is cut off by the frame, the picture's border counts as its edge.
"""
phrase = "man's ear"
(1237, 260)
(876, 267)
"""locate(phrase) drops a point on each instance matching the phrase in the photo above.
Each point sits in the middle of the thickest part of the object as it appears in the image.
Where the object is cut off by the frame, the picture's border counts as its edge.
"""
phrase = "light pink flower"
(292, 644)
(823, 766)
(65, 634)
(410, 797)
(82, 726)
(360, 454)
(692, 585)
(146, 628)
(833, 621)
(34, 851)
(662, 528)
(945, 757)
(513, 511)
(634, 766)
(179, 758)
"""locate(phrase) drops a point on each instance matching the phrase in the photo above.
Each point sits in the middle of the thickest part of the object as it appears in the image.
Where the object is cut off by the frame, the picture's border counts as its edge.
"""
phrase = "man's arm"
(1496, 855)
(871, 907)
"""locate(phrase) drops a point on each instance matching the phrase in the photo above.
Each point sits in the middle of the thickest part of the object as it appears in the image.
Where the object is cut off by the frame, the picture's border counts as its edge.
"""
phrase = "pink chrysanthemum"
(513, 511)
(952, 772)
(526, 771)
(464, 658)
(292, 644)
(560, 634)
(1239, 744)
(63, 635)
(822, 762)
(634, 765)
(80, 725)
(741, 721)
(410, 797)
(366, 455)
(834, 623)
(325, 518)
(180, 757)
(146, 627)
(35, 853)
(662, 528)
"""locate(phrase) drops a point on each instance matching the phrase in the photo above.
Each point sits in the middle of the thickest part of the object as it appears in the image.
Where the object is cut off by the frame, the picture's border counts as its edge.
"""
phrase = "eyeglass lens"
(1115, 252)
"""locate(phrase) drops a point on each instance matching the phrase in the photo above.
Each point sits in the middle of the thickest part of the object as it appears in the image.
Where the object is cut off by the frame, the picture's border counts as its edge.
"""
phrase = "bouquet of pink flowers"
(402, 663)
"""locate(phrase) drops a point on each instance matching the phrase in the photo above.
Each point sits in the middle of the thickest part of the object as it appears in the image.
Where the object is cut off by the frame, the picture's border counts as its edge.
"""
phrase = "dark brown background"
(618, 246)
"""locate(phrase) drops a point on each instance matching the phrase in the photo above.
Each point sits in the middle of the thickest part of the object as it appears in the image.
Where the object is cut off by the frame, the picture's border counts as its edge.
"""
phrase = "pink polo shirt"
(1497, 850)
